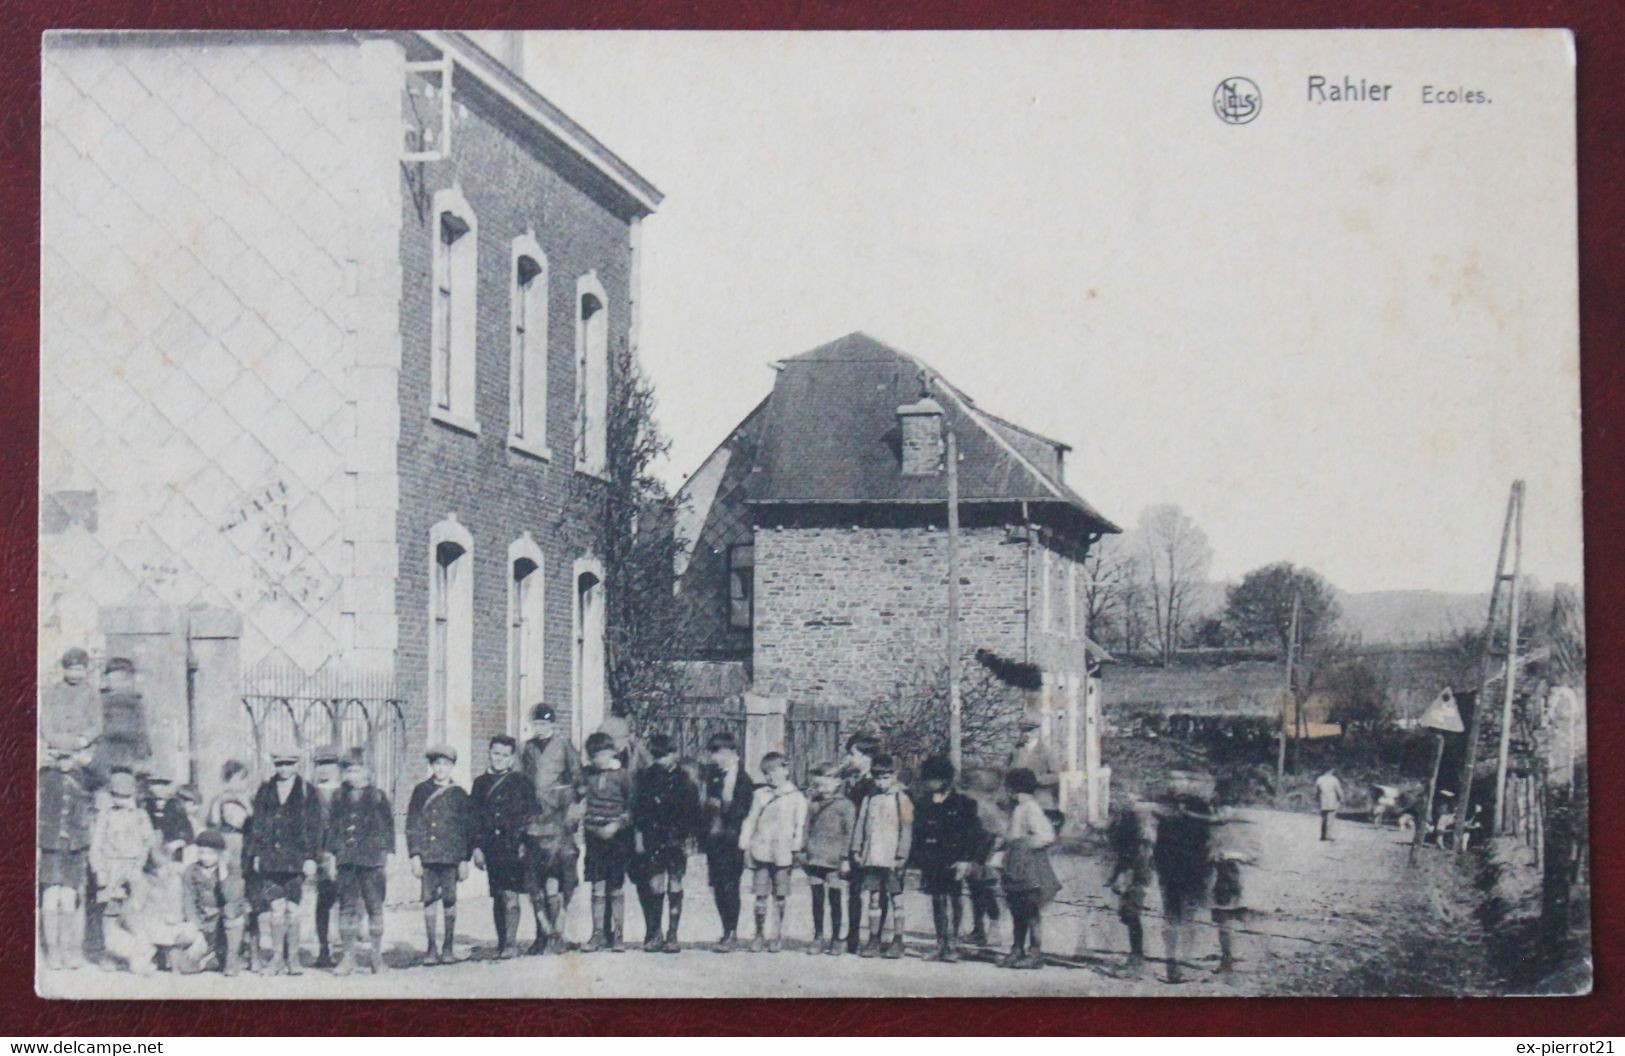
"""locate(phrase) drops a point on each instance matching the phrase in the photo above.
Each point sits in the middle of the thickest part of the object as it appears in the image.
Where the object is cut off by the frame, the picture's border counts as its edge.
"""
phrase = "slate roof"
(830, 435)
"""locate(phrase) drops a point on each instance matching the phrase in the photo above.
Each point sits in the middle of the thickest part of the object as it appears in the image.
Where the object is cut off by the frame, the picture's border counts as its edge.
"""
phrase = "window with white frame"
(527, 388)
(451, 637)
(592, 375)
(455, 279)
(526, 606)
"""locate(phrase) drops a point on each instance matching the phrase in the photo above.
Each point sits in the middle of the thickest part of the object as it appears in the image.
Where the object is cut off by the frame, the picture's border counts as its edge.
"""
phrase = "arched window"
(451, 639)
(592, 375)
(526, 609)
(527, 388)
(455, 269)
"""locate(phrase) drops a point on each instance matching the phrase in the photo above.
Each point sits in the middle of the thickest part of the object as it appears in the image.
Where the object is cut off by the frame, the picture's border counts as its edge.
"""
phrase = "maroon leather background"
(1600, 33)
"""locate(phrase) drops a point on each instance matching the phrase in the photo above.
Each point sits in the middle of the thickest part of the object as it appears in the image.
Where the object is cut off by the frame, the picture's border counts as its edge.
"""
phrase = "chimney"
(513, 52)
(921, 425)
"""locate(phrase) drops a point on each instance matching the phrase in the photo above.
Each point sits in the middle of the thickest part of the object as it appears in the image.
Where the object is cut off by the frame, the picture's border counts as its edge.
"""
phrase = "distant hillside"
(1381, 616)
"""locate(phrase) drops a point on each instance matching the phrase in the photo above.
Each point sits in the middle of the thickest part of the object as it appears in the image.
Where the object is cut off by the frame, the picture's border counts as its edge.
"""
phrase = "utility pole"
(1292, 678)
(1512, 657)
(1292, 691)
(1486, 661)
(955, 734)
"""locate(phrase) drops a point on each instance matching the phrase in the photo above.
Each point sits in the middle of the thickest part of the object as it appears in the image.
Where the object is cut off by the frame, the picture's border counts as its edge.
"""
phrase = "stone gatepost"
(764, 729)
(214, 641)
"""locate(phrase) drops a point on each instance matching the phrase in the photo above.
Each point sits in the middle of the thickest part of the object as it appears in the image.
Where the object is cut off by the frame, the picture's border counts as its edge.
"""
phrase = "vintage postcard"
(573, 514)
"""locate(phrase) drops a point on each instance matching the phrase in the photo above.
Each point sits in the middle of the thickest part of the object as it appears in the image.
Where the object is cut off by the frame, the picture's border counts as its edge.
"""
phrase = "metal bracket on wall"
(429, 143)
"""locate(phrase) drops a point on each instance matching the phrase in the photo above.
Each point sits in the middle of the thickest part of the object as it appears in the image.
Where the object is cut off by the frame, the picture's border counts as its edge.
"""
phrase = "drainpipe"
(1027, 579)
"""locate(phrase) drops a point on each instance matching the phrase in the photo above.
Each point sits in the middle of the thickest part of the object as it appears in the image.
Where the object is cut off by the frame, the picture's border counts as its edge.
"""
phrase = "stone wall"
(846, 615)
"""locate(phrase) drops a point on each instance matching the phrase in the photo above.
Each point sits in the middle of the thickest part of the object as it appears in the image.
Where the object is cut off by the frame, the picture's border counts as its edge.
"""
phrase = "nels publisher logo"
(1237, 100)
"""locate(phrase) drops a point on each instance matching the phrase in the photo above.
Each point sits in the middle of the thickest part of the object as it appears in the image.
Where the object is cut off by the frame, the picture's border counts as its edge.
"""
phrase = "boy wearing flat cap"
(439, 839)
(70, 714)
(214, 899)
(359, 839)
(552, 768)
(281, 848)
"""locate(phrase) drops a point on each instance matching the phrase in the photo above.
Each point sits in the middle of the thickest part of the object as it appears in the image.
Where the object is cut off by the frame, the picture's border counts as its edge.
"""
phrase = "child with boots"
(214, 900)
(329, 780)
(121, 839)
(65, 812)
(553, 771)
(774, 833)
(608, 827)
(946, 840)
(282, 846)
(439, 830)
(1029, 879)
(1132, 836)
(829, 845)
(665, 813)
(881, 839)
(728, 796)
(984, 785)
(861, 749)
(502, 804)
(360, 838)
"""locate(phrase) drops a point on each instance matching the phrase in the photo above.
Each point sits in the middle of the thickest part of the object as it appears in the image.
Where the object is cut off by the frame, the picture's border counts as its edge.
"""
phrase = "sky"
(1334, 335)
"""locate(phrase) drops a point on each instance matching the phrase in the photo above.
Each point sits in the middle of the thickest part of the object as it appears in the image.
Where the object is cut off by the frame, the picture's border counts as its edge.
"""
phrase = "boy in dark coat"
(64, 839)
(1183, 859)
(123, 742)
(609, 837)
(502, 803)
(281, 848)
(215, 901)
(359, 840)
(728, 794)
(946, 839)
(553, 771)
(439, 839)
(168, 813)
(665, 813)
(861, 749)
(1133, 835)
(329, 781)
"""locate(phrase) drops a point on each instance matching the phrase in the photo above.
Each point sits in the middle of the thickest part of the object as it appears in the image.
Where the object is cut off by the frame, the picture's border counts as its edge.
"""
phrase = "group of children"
(856, 836)
(230, 896)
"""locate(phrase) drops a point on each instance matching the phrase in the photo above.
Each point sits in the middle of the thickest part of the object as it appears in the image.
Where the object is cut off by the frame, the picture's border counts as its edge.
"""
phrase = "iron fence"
(285, 708)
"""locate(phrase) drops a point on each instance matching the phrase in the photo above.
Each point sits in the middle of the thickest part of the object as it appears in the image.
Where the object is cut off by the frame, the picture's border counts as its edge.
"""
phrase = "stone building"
(326, 330)
(815, 549)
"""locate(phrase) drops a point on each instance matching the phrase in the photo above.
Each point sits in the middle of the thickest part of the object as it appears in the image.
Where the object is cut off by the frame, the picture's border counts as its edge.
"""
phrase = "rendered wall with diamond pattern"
(220, 338)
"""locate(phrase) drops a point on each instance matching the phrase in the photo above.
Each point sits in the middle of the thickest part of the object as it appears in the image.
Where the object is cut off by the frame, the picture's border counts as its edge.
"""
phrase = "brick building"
(326, 332)
(815, 549)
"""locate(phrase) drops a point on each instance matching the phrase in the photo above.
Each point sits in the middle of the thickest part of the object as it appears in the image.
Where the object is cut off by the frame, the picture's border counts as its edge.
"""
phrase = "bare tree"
(1177, 556)
(1112, 591)
(913, 720)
